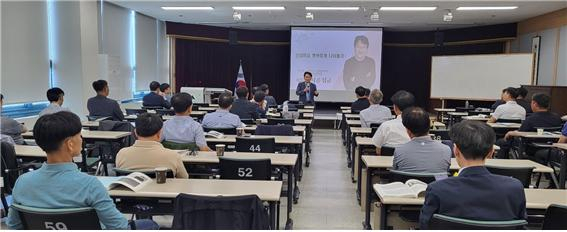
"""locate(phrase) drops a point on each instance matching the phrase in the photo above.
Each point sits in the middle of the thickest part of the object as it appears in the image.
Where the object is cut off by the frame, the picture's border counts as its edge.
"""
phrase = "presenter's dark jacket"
(475, 194)
(244, 109)
(359, 105)
(303, 95)
(154, 99)
(359, 73)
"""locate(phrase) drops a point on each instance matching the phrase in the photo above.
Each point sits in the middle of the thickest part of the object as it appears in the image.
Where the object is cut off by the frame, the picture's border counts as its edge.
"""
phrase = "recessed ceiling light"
(258, 8)
(187, 8)
(349, 8)
(408, 8)
(487, 8)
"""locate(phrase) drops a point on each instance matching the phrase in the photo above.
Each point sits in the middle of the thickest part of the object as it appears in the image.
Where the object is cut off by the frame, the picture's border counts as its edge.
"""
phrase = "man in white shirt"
(375, 113)
(55, 97)
(393, 132)
(510, 110)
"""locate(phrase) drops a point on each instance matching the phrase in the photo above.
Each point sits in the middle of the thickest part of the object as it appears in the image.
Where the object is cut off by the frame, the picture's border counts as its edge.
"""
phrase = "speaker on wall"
(232, 37)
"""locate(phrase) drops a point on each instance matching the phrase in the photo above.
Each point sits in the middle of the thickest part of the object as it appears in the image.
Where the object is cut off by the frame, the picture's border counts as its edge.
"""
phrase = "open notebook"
(410, 189)
(134, 181)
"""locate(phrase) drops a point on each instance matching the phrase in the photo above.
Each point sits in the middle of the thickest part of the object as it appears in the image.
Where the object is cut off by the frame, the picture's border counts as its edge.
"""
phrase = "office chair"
(440, 134)
(162, 112)
(226, 131)
(248, 121)
(245, 169)
(401, 176)
(280, 121)
(152, 107)
(522, 174)
(555, 216)
(442, 222)
(58, 219)
(135, 111)
(249, 144)
(503, 120)
(387, 150)
(193, 212)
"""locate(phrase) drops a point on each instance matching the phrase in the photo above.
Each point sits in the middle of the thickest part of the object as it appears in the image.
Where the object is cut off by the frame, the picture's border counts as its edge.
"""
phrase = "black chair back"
(59, 219)
(283, 130)
(387, 151)
(503, 120)
(523, 174)
(401, 176)
(135, 111)
(442, 222)
(226, 131)
(555, 217)
(440, 134)
(248, 121)
(10, 167)
(280, 121)
(152, 107)
(249, 144)
(163, 112)
(245, 169)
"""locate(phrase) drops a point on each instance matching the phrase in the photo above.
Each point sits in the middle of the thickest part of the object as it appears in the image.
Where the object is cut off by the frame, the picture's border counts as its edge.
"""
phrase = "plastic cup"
(161, 175)
(220, 149)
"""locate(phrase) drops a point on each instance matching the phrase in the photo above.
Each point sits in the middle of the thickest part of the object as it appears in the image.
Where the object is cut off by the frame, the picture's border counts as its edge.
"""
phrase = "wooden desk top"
(266, 190)
(305, 110)
(561, 145)
(387, 162)
(458, 113)
(29, 151)
(476, 118)
(361, 130)
(279, 139)
(308, 115)
(165, 117)
(212, 158)
(345, 107)
(364, 141)
(445, 109)
(545, 135)
(295, 128)
(296, 121)
(208, 108)
(505, 125)
(535, 198)
(346, 111)
(309, 107)
(353, 122)
(87, 134)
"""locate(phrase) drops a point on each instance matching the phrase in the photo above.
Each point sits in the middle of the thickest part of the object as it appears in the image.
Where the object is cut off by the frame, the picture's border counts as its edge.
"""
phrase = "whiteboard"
(479, 77)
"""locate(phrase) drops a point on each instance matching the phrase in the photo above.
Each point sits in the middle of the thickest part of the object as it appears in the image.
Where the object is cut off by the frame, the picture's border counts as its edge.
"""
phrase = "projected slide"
(339, 58)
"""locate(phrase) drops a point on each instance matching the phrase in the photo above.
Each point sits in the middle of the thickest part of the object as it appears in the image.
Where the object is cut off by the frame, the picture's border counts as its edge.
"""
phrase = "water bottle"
(285, 107)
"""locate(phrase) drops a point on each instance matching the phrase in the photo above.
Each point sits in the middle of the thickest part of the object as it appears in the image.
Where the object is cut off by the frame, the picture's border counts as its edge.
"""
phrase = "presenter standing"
(306, 90)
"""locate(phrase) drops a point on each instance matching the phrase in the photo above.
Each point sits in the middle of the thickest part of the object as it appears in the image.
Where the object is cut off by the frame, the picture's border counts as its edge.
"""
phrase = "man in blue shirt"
(154, 99)
(59, 184)
(182, 128)
(56, 98)
(222, 118)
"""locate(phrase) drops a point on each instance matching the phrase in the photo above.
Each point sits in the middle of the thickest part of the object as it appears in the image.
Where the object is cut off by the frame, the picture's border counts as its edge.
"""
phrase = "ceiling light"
(187, 8)
(349, 8)
(258, 8)
(487, 7)
(309, 16)
(374, 16)
(448, 17)
(236, 16)
(408, 8)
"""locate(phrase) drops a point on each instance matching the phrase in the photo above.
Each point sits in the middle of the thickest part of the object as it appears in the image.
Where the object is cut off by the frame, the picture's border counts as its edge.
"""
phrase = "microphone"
(308, 85)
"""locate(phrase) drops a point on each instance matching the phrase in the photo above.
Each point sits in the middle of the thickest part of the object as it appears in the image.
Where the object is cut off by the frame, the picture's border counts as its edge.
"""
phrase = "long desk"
(505, 125)
(287, 161)
(536, 199)
(385, 162)
(299, 130)
(92, 135)
(268, 191)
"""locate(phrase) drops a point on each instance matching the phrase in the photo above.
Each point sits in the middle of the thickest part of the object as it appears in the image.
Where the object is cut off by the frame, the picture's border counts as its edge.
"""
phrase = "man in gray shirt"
(11, 127)
(421, 154)
(222, 118)
(101, 105)
(375, 113)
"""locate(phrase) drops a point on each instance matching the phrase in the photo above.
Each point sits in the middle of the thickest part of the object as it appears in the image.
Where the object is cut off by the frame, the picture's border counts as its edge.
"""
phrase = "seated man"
(154, 99)
(242, 107)
(521, 99)
(147, 153)
(422, 154)
(222, 118)
(393, 133)
(509, 110)
(55, 97)
(165, 91)
(101, 105)
(59, 184)
(260, 102)
(475, 193)
(541, 117)
(11, 127)
(375, 113)
(182, 128)
(270, 100)
(545, 155)
(361, 102)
